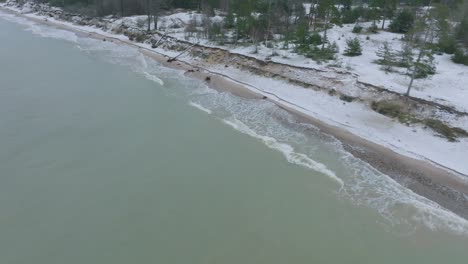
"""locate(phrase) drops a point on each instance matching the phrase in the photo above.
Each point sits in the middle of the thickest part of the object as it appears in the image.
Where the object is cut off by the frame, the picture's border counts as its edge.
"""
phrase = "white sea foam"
(50, 32)
(200, 107)
(41, 30)
(15, 19)
(153, 78)
(398, 204)
(287, 150)
(303, 144)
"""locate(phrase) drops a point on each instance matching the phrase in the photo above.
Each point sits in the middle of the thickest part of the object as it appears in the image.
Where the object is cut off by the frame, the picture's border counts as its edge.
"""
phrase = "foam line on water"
(382, 193)
(361, 183)
(15, 19)
(49, 32)
(153, 78)
(300, 145)
(41, 30)
(144, 64)
(288, 151)
(200, 107)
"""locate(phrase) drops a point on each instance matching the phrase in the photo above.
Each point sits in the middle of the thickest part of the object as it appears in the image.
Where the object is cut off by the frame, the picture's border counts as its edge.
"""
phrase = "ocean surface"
(108, 157)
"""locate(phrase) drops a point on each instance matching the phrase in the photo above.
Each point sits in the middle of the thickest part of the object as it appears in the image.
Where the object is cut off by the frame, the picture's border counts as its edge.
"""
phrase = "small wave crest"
(286, 150)
(305, 145)
(200, 107)
(153, 78)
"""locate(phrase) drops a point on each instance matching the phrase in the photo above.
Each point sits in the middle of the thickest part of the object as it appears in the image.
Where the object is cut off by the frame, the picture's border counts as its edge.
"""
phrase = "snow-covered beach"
(433, 163)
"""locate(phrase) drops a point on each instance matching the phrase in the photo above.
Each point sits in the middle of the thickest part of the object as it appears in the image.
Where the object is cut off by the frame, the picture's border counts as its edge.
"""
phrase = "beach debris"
(180, 54)
(155, 45)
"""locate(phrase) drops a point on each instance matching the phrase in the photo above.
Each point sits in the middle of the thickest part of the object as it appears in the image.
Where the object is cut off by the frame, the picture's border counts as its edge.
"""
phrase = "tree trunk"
(315, 19)
(155, 21)
(422, 50)
(324, 40)
(383, 22)
(384, 14)
(148, 12)
(269, 22)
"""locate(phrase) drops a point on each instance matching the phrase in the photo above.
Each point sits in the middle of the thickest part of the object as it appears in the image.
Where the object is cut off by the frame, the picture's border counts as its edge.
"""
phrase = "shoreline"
(423, 177)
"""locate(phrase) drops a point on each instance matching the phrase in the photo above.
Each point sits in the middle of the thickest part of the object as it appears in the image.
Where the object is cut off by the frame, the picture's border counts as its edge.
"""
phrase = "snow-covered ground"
(414, 141)
(447, 86)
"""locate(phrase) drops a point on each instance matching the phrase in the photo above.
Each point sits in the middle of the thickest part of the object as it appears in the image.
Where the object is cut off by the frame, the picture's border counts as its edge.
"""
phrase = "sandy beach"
(423, 177)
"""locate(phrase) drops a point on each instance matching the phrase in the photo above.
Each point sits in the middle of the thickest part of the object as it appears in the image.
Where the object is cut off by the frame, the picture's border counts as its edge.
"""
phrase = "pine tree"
(405, 56)
(423, 33)
(387, 57)
(353, 47)
(403, 22)
(326, 9)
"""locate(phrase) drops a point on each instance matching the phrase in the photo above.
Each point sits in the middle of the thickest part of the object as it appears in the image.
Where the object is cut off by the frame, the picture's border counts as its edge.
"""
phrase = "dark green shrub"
(387, 108)
(140, 37)
(451, 133)
(460, 132)
(357, 29)
(460, 57)
(394, 110)
(373, 29)
(325, 54)
(442, 129)
(302, 33)
(350, 16)
(447, 44)
(347, 98)
(315, 39)
(353, 47)
(462, 31)
(403, 22)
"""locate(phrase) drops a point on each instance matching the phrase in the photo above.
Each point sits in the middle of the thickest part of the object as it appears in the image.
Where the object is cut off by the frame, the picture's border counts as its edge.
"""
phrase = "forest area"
(426, 27)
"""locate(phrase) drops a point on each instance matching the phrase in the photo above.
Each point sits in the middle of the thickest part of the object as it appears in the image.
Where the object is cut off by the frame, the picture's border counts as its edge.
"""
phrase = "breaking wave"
(304, 145)
(200, 107)
(288, 151)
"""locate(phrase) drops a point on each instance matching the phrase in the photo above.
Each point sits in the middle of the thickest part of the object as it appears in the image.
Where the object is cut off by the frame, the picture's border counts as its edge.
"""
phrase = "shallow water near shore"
(107, 157)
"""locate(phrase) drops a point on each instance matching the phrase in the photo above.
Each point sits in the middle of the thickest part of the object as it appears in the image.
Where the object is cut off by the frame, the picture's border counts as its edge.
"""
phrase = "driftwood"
(160, 39)
(180, 54)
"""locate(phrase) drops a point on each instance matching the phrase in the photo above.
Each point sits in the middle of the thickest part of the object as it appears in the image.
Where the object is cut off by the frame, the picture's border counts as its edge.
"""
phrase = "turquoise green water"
(100, 164)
